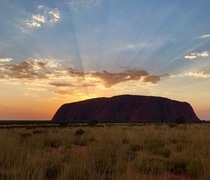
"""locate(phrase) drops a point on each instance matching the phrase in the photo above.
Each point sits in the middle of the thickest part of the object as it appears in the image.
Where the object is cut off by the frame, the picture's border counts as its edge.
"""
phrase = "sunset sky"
(54, 52)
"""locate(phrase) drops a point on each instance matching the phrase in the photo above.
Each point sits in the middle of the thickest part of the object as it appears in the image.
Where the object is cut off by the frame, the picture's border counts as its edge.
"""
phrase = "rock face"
(126, 108)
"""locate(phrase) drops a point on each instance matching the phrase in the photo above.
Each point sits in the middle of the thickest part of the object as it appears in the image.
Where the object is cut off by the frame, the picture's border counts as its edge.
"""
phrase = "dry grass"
(120, 151)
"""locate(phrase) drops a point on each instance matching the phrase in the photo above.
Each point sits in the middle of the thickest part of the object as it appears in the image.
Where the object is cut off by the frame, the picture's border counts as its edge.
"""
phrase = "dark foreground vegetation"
(105, 151)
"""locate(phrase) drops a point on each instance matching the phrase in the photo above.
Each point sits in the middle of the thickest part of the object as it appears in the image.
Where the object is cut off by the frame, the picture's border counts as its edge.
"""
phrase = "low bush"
(135, 147)
(154, 144)
(25, 135)
(165, 152)
(177, 165)
(93, 123)
(125, 141)
(195, 168)
(150, 165)
(79, 132)
(52, 143)
(39, 131)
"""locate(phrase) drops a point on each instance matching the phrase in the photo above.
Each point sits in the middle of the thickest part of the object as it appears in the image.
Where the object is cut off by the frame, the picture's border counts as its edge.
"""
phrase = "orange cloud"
(111, 79)
(60, 84)
(3, 60)
(63, 92)
(53, 74)
(152, 78)
(34, 69)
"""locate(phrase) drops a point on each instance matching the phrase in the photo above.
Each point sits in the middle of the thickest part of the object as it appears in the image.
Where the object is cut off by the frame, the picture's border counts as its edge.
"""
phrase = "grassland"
(105, 151)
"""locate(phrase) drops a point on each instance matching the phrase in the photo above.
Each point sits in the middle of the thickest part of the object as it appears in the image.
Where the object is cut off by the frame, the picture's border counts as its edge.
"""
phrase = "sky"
(54, 52)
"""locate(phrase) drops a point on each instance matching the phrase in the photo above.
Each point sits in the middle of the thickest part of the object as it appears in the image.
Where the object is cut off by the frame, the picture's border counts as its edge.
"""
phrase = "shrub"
(79, 132)
(150, 165)
(25, 135)
(173, 141)
(135, 147)
(64, 124)
(121, 165)
(154, 145)
(53, 143)
(52, 173)
(53, 167)
(179, 147)
(105, 162)
(93, 123)
(125, 141)
(172, 125)
(195, 168)
(177, 165)
(38, 131)
(80, 142)
(165, 152)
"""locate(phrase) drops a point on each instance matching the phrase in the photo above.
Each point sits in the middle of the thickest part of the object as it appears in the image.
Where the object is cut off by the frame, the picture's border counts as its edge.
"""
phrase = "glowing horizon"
(54, 52)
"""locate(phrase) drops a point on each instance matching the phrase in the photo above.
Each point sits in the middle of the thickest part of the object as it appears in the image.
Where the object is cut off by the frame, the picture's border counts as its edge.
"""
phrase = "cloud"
(131, 47)
(74, 72)
(110, 79)
(63, 92)
(39, 18)
(55, 15)
(205, 36)
(32, 24)
(37, 89)
(5, 60)
(190, 57)
(194, 74)
(196, 55)
(197, 74)
(60, 84)
(152, 78)
(203, 54)
(35, 69)
(45, 15)
(50, 75)
(76, 85)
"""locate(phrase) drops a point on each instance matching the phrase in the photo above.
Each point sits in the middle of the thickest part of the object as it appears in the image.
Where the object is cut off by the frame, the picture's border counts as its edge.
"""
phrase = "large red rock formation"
(126, 108)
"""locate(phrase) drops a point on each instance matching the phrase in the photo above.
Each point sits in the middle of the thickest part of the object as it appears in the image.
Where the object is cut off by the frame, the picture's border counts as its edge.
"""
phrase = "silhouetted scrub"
(79, 132)
(52, 143)
(93, 123)
(52, 173)
(63, 124)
